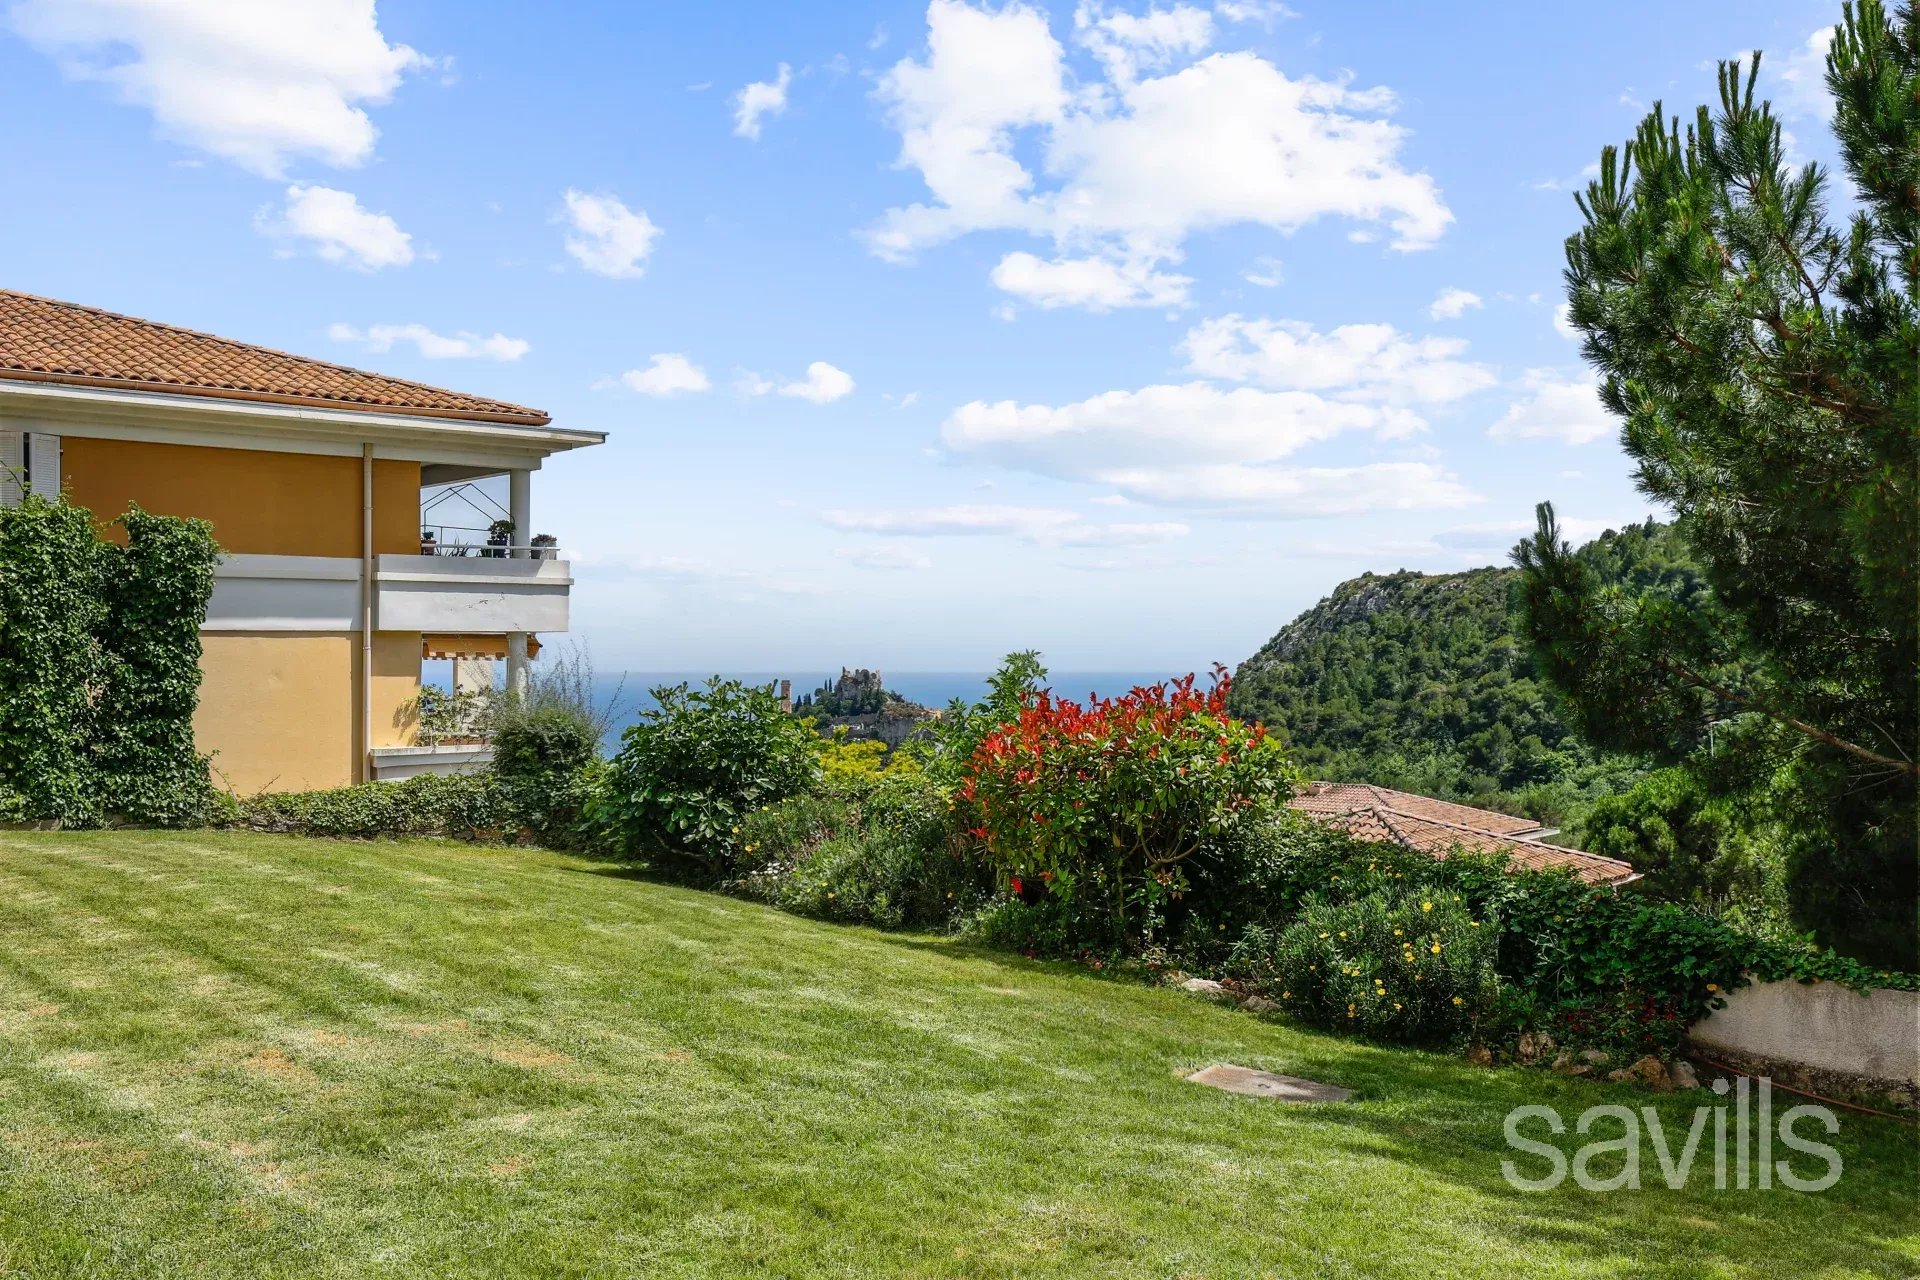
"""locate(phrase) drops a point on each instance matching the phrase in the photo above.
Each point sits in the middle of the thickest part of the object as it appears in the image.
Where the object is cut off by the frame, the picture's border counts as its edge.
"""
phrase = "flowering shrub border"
(1111, 799)
(1591, 965)
(1401, 965)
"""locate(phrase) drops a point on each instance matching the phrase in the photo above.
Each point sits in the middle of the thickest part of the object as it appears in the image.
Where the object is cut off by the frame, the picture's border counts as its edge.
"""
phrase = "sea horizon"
(624, 696)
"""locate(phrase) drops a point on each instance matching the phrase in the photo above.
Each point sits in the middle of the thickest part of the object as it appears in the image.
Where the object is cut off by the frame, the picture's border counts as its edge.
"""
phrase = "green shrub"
(156, 590)
(1046, 928)
(50, 610)
(694, 767)
(1413, 967)
(1593, 965)
(1690, 845)
(788, 831)
(878, 853)
(541, 759)
(460, 806)
(1112, 802)
(99, 666)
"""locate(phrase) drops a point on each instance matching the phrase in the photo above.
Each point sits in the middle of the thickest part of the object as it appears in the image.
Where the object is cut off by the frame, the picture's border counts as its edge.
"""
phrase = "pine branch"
(1800, 726)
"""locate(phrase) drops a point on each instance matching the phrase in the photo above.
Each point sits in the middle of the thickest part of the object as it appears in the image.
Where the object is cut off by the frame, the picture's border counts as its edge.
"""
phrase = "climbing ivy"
(49, 661)
(99, 665)
(155, 589)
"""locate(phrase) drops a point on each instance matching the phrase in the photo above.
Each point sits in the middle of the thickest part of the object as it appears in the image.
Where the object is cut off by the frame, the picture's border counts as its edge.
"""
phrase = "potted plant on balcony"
(499, 538)
(543, 545)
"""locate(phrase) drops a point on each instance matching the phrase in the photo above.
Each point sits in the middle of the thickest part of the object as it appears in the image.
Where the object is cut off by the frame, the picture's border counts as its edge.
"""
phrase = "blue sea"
(630, 695)
(623, 697)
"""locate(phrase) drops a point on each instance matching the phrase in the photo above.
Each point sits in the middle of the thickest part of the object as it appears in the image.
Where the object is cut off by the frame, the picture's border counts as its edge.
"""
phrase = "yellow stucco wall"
(260, 502)
(396, 685)
(278, 708)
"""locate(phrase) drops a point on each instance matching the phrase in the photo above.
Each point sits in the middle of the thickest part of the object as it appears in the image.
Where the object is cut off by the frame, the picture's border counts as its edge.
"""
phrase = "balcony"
(484, 592)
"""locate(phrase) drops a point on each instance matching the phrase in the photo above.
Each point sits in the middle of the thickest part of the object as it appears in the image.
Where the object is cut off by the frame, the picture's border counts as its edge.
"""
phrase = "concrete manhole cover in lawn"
(1265, 1084)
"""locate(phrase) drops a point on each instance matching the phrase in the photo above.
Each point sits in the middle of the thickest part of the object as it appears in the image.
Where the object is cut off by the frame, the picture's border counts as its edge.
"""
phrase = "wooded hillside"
(1419, 681)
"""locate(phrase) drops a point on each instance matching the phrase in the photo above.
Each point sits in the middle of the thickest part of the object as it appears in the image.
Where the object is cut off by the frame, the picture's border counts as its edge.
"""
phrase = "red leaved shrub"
(1109, 803)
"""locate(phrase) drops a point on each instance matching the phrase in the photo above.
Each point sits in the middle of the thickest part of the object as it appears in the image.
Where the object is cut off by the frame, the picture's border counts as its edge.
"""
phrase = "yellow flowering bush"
(1391, 965)
(855, 766)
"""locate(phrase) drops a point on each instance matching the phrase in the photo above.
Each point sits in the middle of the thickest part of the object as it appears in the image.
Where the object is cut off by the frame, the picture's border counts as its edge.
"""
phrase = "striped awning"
(471, 646)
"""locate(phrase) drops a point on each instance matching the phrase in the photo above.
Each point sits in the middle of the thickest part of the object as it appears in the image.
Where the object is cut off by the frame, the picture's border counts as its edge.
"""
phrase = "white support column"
(518, 677)
(519, 510)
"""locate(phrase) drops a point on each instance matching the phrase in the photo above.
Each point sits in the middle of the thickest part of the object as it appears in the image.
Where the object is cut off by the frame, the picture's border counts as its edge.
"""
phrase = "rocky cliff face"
(892, 726)
(1417, 597)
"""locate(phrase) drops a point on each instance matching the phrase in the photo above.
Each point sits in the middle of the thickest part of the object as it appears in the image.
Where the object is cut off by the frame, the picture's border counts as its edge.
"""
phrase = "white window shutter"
(11, 460)
(43, 465)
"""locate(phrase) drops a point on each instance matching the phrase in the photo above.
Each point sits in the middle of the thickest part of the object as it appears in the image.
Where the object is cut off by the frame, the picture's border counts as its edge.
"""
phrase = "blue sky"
(920, 333)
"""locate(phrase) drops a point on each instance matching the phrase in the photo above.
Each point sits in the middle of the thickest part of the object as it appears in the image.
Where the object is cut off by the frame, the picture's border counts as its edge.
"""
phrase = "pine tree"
(1764, 363)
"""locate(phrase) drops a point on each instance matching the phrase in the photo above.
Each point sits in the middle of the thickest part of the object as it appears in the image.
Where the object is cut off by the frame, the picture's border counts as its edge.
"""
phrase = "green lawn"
(231, 1055)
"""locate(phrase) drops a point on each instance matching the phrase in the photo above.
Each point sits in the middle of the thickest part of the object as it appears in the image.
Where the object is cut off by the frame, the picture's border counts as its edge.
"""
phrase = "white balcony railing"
(461, 542)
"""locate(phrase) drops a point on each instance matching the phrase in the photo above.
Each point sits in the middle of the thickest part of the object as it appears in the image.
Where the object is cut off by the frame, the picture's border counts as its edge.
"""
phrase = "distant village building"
(861, 706)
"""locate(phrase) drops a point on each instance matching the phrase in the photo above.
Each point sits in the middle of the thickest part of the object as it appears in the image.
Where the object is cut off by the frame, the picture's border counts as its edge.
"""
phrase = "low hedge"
(459, 806)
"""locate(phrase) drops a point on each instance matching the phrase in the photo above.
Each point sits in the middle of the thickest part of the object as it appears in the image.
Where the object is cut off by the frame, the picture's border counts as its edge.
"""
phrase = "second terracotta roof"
(1345, 797)
(1439, 828)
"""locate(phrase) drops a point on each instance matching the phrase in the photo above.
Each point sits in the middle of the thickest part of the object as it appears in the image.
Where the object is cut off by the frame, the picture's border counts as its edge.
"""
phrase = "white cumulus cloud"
(257, 84)
(1803, 77)
(606, 237)
(1233, 449)
(1155, 426)
(1266, 273)
(1451, 304)
(822, 385)
(431, 345)
(1098, 284)
(1165, 145)
(333, 225)
(759, 100)
(1556, 406)
(1265, 12)
(1297, 493)
(667, 374)
(1350, 362)
(1128, 43)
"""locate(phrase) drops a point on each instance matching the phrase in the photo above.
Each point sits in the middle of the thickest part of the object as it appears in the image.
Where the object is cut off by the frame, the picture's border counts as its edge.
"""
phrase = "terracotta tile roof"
(1424, 832)
(1329, 798)
(44, 340)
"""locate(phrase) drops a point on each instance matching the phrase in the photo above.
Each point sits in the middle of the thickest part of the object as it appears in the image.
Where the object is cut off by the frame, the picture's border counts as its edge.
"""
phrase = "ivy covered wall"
(100, 665)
